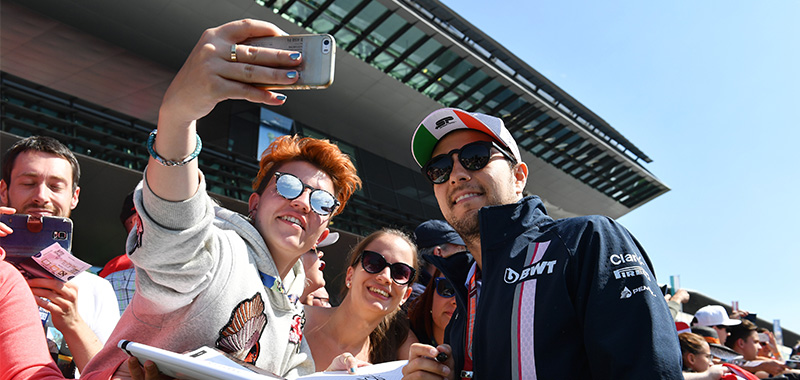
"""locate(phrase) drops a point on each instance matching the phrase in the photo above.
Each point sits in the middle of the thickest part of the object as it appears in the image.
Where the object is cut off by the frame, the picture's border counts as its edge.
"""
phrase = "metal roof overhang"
(122, 55)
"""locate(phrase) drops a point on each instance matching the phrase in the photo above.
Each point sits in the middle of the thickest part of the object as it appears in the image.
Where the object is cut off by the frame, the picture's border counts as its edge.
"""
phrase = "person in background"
(716, 317)
(676, 301)
(119, 271)
(744, 340)
(364, 327)
(436, 238)
(40, 177)
(313, 266)
(697, 364)
(208, 276)
(431, 311)
(769, 346)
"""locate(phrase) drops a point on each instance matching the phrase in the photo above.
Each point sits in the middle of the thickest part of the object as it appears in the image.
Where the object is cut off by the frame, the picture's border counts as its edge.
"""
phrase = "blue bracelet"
(150, 149)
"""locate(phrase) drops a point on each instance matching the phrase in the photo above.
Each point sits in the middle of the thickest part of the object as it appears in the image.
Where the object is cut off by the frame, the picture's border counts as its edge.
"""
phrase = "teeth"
(379, 291)
(465, 196)
(292, 219)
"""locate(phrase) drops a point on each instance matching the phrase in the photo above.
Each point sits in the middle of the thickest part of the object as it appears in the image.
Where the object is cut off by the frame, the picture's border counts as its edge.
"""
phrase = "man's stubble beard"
(469, 227)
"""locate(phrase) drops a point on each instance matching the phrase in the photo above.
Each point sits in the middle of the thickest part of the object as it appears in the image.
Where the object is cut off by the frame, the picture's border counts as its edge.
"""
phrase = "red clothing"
(116, 264)
(23, 352)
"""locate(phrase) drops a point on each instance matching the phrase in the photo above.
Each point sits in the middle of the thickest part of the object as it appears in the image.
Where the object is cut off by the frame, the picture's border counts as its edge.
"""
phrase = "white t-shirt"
(97, 304)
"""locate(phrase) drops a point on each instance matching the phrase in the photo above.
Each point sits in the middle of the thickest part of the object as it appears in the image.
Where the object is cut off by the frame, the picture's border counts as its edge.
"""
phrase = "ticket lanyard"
(472, 305)
(275, 285)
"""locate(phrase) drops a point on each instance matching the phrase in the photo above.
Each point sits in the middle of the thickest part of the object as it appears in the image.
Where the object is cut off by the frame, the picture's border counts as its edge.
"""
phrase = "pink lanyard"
(472, 305)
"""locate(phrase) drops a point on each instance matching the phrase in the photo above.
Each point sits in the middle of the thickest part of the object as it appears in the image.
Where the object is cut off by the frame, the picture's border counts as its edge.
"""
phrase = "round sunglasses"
(373, 262)
(291, 187)
(443, 287)
(473, 156)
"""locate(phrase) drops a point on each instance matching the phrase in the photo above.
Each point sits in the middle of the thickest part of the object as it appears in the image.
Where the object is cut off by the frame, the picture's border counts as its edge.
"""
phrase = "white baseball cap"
(332, 238)
(445, 120)
(714, 315)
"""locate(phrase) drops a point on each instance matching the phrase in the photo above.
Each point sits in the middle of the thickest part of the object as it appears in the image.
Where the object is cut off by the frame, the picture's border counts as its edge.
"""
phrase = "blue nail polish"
(280, 97)
(352, 370)
(294, 56)
(291, 74)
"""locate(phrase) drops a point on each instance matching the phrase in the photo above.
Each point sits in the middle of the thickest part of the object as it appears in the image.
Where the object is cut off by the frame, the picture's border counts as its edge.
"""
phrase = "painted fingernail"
(280, 97)
(292, 74)
(352, 370)
(294, 56)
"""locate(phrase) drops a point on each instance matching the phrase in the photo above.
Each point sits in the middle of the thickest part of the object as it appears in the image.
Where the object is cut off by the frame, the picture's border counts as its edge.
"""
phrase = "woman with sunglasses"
(207, 276)
(431, 311)
(366, 325)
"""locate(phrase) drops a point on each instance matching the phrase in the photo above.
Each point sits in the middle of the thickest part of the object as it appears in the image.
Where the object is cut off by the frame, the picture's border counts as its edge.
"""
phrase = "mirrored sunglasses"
(473, 156)
(444, 288)
(373, 262)
(291, 187)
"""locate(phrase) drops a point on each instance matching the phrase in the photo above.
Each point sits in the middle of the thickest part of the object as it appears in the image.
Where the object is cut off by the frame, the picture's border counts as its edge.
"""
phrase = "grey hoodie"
(199, 283)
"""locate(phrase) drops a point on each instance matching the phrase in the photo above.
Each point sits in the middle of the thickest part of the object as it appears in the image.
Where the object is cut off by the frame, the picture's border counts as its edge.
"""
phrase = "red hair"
(321, 153)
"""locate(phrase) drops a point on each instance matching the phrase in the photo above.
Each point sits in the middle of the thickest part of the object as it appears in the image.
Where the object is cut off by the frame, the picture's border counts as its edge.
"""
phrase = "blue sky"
(710, 91)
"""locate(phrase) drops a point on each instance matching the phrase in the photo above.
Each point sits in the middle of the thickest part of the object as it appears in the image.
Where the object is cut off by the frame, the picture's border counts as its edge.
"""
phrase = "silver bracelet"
(151, 140)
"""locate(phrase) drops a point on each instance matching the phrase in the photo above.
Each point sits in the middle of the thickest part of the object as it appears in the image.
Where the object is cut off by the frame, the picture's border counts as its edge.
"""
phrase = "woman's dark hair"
(419, 313)
(393, 329)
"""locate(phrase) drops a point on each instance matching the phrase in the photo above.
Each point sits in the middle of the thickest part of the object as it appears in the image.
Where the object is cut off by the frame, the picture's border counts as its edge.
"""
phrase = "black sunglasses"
(291, 187)
(444, 288)
(373, 262)
(473, 156)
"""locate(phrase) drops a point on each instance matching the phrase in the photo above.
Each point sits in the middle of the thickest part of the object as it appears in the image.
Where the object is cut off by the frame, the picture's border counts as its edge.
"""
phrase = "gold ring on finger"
(233, 53)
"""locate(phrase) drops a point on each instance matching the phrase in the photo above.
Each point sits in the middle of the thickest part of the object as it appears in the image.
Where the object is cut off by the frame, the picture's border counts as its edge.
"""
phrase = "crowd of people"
(497, 290)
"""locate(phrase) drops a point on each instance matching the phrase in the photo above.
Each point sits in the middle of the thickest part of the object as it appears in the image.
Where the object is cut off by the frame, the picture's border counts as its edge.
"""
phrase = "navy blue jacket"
(574, 298)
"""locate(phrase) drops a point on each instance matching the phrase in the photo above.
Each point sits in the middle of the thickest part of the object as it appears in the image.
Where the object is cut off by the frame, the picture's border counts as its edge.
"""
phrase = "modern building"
(92, 73)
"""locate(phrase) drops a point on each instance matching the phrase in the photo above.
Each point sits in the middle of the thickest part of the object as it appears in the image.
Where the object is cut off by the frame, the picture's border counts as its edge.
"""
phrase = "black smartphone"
(319, 53)
(31, 235)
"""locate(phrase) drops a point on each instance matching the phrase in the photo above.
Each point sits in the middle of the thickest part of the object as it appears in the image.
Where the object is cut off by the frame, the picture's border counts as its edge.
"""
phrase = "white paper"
(60, 263)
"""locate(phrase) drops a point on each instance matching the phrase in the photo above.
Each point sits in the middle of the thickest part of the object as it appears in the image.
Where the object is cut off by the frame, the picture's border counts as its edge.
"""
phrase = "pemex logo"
(511, 276)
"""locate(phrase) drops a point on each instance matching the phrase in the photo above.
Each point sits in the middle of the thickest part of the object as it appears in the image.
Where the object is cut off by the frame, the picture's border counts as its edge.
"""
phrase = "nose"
(41, 194)
(303, 201)
(458, 173)
(385, 275)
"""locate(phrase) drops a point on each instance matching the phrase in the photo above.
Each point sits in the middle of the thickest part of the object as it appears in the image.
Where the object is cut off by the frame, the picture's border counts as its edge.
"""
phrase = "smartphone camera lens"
(326, 42)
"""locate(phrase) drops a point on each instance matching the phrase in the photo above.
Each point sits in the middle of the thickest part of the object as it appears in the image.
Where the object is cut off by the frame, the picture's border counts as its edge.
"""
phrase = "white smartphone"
(319, 53)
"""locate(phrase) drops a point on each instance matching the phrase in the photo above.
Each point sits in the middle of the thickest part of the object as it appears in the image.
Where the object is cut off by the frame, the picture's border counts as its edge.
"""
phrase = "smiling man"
(40, 178)
(543, 298)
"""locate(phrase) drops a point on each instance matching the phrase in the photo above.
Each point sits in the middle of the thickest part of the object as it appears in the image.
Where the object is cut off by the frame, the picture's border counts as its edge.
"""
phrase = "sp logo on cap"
(441, 123)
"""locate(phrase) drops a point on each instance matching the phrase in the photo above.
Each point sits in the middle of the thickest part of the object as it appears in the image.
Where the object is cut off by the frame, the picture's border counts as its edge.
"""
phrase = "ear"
(437, 251)
(348, 278)
(4, 193)
(520, 172)
(323, 236)
(408, 294)
(690, 359)
(74, 201)
(252, 203)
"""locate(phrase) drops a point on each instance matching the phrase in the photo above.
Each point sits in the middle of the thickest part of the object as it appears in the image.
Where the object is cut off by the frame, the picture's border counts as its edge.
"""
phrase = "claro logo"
(528, 273)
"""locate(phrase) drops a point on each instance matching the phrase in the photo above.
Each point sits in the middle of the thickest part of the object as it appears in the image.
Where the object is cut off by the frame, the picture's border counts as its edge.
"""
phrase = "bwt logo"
(441, 123)
(534, 270)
